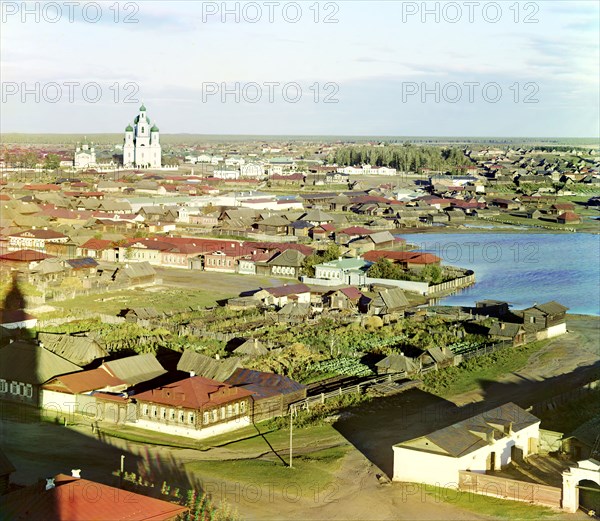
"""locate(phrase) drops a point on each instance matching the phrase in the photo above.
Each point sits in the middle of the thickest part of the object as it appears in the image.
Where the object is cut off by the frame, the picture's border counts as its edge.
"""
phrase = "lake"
(522, 269)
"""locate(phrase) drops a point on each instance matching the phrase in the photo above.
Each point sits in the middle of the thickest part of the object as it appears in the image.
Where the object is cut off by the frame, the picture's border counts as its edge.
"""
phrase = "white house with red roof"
(35, 239)
(196, 407)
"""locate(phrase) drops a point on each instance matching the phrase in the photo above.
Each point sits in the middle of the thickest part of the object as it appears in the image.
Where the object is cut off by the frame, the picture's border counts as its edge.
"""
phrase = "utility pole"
(291, 433)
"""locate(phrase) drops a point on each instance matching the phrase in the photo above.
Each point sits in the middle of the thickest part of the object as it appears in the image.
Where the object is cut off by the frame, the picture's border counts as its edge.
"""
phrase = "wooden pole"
(291, 432)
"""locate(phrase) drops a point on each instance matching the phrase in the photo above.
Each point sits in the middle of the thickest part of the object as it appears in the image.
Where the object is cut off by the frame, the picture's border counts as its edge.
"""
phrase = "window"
(206, 417)
(222, 413)
(243, 407)
(236, 408)
(181, 417)
(145, 410)
(172, 414)
(215, 415)
(3, 386)
(163, 413)
(14, 388)
(154, 411)
(28, 390)
(229, 410)
(191, 418)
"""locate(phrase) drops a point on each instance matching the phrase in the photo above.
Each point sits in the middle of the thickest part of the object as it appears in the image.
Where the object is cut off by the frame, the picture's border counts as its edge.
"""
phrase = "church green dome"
(129, 128)
(137, 118)
(143, 108)
(154, 128)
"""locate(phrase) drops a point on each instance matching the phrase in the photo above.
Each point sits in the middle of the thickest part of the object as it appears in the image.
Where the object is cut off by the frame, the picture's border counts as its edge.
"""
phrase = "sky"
(393, 68)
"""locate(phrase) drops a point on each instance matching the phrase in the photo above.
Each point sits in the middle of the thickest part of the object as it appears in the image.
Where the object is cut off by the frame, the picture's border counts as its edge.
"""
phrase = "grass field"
(495, 508)
(315, 470)
(160, 298)
(456, 380)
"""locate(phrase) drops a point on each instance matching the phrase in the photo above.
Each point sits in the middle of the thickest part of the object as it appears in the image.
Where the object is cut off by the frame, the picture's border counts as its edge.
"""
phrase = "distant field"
(193, 139)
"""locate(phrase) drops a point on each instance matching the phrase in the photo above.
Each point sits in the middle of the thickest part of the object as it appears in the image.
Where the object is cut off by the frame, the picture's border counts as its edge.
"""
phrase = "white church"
(141, 148)
(85, 155)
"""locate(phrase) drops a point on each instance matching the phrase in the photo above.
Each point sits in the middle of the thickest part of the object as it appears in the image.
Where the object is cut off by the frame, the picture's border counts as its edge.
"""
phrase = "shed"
(272, 393)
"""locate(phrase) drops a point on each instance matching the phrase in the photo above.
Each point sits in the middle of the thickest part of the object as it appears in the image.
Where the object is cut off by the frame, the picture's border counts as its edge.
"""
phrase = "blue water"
(522, 269)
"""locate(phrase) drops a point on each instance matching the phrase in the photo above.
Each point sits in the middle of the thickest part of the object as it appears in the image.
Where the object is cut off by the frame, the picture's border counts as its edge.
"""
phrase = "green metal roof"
(154, 128)
(129, 128)
(143, 108)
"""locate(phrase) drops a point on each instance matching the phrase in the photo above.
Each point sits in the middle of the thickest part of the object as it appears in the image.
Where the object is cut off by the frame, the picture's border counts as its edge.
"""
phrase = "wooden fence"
(356, 388)
(511, 489)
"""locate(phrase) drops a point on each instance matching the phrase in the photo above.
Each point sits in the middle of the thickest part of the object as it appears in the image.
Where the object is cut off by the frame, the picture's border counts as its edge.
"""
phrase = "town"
(264, 304)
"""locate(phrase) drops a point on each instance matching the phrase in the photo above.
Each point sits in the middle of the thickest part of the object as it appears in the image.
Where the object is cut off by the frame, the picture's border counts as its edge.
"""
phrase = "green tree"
(51, 162)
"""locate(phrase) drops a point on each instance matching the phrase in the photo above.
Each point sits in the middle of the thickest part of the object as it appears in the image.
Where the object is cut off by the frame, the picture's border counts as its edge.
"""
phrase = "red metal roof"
(42, 187)
(413, 257)
(196, 392)
(39, 234)
(97, 244)
(77, 499)
(25, 256)
(84, 381)
(287, 290)
(352, 293)
(354, 230)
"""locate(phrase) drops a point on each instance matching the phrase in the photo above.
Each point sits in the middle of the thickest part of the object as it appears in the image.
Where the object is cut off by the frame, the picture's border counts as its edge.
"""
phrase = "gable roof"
(393, 298)
(471, 434)
(79, 349)
(287, 290)
(289, 257)
(398, 363)
(251, 347)
(84, 381)
(135, 369)
(262, 384)
(25, 256)
(195, 392)
(206, 366)
(552, 308)
(351, 292)
(30, 363)
(380, 237)
(69, 500)
(505, 329)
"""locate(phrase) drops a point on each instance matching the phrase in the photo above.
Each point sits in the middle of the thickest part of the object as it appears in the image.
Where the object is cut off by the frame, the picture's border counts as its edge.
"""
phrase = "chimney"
(490, 437)
(192, 374)
(76, 473)
(502, 325)
(50, 483)
(508, 429)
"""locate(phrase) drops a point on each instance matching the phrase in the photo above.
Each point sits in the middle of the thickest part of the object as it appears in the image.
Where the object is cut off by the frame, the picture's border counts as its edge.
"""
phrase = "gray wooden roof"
(251, 347)
(80, 350)
(472, 434)
(398, 363)
(135, 369)
(29, 363)
(208, 367)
